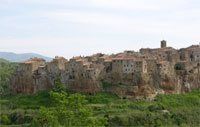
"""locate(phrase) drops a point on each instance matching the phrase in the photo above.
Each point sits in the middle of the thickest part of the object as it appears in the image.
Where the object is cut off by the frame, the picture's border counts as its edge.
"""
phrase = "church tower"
(163, 44)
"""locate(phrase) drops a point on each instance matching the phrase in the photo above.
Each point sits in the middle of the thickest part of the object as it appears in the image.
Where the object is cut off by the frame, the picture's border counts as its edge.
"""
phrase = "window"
(71, 77)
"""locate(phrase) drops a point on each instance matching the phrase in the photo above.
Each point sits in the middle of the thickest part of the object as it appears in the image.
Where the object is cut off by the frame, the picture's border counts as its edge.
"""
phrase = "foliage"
(6, 70)
(59, 87)
(67, 110)
(102, 109)
(179, 66)
(4, 119)
(26, 101)
(166, 110)
(106, 85)
(101, 98)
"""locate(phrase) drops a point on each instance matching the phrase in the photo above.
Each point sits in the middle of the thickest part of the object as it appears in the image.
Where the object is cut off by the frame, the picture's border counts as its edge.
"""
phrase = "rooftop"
(33, 60)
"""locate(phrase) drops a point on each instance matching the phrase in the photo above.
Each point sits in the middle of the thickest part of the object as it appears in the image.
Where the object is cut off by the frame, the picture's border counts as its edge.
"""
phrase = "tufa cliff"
(128, 74)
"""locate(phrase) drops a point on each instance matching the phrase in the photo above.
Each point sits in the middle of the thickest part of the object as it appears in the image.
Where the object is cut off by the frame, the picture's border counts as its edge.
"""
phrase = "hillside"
(13, 57)
(3, 60)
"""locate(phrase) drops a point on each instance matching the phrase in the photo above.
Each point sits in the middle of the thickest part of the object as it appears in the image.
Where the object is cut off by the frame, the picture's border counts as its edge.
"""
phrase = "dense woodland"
(60, 107)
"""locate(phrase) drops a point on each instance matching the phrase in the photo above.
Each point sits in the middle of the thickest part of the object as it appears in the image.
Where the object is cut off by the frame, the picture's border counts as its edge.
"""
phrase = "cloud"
(118, 23)
(148, 5)
(74, 27)
(67, 47)
(121, 4)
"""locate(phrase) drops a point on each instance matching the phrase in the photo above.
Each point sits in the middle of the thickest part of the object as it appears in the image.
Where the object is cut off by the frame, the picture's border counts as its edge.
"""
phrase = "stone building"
(191, 53)
(58, 63)
(126, 74)
(23, 81)
(129, 64)
(81, 74)
(164, 53)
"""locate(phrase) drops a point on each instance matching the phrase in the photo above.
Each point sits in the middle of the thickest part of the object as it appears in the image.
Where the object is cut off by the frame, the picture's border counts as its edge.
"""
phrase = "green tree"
(6, 71)
(68, 110)
(59, 87)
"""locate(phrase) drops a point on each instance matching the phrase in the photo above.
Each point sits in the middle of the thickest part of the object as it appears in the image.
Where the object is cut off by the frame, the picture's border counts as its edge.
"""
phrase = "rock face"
(127, 74)
(27, 79)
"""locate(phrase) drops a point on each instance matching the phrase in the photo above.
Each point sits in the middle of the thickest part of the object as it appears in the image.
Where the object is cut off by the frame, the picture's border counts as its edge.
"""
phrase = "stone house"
(190, 54)
(127, 64)
(23, 76)
(162, 54)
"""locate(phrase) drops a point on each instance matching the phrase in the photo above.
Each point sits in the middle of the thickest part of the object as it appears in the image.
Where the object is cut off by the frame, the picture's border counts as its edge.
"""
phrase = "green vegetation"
(6, 69)
(179, 66)
(61, 108)
(67, 109)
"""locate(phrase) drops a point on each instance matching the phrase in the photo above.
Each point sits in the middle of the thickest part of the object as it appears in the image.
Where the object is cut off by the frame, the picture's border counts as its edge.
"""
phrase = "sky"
(83, 27)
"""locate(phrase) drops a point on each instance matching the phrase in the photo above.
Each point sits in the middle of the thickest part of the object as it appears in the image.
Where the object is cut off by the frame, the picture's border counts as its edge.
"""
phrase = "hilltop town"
(142, 74)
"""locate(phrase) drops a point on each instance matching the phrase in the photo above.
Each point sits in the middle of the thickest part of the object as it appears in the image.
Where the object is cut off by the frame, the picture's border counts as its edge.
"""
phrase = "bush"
(17, 117)
(4, 119)
(179, 66)
(68, 110)
(156, 107)
(101, 98)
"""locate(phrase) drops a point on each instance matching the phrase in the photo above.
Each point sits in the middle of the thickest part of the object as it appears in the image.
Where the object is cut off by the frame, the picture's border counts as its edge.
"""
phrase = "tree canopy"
(68, 110)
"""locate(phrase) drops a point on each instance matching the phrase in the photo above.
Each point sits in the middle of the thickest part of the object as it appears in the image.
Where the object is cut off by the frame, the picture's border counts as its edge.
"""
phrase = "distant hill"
(13, 57)
(3, 60)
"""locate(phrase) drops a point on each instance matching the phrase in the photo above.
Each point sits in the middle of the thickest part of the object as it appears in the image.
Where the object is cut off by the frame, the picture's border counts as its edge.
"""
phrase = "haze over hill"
(13, 57)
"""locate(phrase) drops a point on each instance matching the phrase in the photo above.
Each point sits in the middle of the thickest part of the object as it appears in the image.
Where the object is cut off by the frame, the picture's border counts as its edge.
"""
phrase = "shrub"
(101, 98)
(17, 117)
(156, 107)
(179, 66)
(4, 119)
(68, 110)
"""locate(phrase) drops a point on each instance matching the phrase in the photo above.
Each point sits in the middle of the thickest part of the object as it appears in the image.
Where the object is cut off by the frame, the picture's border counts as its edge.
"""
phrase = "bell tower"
(163, 44)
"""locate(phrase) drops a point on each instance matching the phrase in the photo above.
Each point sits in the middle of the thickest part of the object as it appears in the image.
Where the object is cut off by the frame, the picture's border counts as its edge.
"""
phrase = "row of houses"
(87, 73)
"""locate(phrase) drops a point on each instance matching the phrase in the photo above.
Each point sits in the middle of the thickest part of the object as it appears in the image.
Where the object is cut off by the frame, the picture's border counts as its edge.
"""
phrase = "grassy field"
(167, 110)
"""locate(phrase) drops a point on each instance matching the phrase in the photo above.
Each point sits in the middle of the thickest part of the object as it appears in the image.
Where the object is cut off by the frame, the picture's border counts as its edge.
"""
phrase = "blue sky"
(83, 27)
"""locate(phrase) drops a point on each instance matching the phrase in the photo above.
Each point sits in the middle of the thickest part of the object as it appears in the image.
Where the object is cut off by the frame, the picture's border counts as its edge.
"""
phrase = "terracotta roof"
(108, 60)
(123, 56)
(59, 57)
(35, 59)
